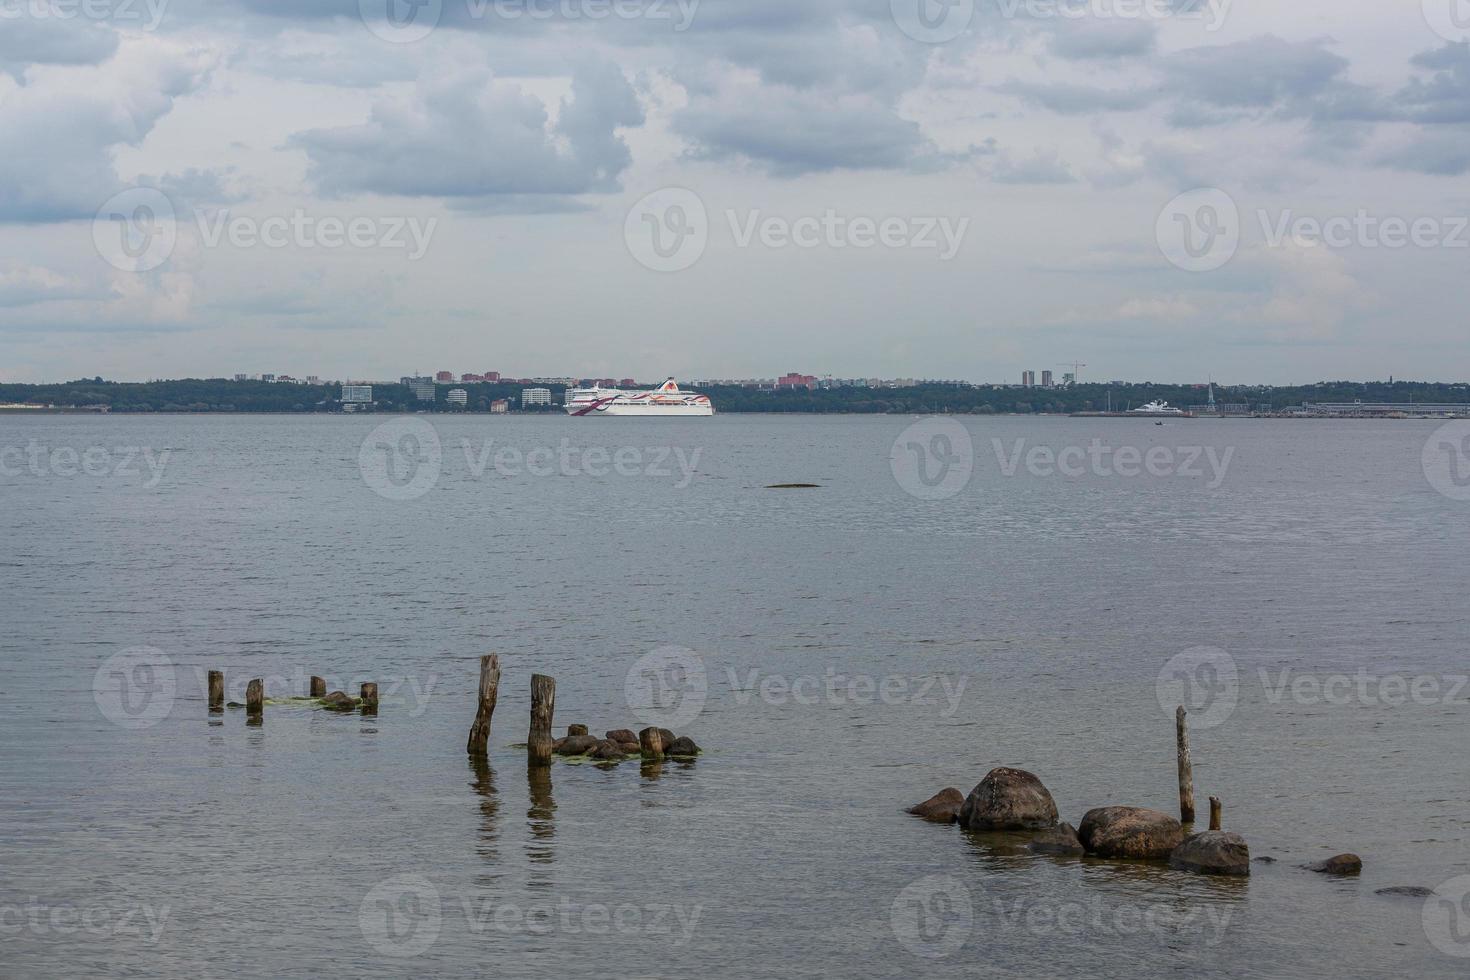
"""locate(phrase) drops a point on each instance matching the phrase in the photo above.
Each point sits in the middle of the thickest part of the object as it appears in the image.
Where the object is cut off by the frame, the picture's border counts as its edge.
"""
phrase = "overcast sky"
(735, 188)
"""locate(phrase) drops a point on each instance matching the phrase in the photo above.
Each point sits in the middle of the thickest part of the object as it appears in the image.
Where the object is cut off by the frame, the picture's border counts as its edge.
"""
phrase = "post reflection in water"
(541, 848)
(483, 783)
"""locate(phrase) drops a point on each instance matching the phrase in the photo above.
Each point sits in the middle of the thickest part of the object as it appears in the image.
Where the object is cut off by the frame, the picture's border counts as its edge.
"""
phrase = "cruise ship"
(1159, 408)
(667, 401)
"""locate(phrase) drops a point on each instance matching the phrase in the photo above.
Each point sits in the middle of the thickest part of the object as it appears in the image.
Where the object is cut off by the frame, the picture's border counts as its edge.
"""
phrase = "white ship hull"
(665, 402)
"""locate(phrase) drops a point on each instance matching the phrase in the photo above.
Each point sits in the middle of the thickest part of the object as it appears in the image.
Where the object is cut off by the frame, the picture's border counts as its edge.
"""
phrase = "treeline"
(219, 395)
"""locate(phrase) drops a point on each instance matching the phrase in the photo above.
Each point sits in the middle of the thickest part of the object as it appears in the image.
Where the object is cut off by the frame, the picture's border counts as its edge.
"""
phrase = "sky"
(1247, 191)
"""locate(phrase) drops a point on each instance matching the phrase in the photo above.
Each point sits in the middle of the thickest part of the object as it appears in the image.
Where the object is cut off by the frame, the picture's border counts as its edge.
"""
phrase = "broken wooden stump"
(651, 743)
(255, 701)
(216, 691)
(543, 707)
(489, 691)
(1186, 768)
(1216, 808)
(369, 699)
(318, 687)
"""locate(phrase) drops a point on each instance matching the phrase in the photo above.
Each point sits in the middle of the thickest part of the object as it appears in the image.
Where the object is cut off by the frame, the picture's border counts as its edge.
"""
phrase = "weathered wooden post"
(318, 687)
(489, 691)
(1215, 813)
(1186, 769)
(216, 691)
(369, 699)
(543, 706)
(651, 742)
(255, 701)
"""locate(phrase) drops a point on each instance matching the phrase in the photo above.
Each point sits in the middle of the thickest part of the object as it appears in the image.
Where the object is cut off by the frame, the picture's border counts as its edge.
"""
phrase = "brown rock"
(1057, 840)
(337, 701)
(607, 750)
(682, 746)
(574, 731)
(1130, 832)
(1342, 864)
(574, 745)
(1009, 799)
(622, 736)
(1214, 852)
(942, 807)
(668, 737)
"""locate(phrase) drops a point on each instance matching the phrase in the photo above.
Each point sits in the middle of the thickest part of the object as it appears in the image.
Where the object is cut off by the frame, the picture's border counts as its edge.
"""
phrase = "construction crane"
(1076, 371)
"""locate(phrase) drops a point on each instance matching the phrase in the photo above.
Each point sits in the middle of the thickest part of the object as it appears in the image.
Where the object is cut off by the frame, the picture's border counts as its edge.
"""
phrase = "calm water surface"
(1024, 621)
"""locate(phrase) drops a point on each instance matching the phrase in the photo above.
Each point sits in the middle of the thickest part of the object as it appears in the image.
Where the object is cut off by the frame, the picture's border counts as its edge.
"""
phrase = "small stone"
(943, 807)
(575, 745)
(1341, 864)
(1057, 840)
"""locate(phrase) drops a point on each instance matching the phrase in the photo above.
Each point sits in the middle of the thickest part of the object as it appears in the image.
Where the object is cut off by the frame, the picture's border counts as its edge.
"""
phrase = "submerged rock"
(1057, 840)
(575, 745)
(1341, 864)
(1213, 852)
(607, 750)
(1406, 891)
(1130, 832)
(337, 701)
(1009, 799)
(943, 807)
(682, 746)
(1264, 860)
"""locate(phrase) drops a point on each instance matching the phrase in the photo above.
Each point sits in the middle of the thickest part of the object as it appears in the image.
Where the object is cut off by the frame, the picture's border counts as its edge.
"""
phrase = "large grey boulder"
(1009, 799)
(1130, 832)
(1214, 852)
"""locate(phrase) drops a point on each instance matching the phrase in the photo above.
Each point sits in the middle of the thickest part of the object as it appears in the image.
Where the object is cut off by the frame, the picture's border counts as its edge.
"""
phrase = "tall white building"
(535, 396)
(357, 394)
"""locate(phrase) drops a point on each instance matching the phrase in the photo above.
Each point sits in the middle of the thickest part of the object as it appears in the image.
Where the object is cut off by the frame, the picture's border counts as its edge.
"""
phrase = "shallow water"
(863, 648)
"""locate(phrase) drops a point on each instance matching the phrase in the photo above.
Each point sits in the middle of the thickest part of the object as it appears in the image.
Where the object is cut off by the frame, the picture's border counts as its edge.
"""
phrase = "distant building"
(1046, 381)
(627, 383)
(492, 376)
(499, 406)
(268, 377)
(422, 388)
(1028, 379)
(793, 380)
(357, 394)
(458, 396)
(445, 377)
(312, 379)
(535, 396)
(242, 377)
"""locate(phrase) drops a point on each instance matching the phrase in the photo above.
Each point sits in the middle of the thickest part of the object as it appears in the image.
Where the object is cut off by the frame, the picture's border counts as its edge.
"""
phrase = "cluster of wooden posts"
(367, 702)
(539, 741)
(1186, 776)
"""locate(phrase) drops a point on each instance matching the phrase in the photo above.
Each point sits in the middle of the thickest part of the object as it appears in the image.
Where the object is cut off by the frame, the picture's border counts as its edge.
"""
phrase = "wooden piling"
(318, 687)
(1186, 769)
(216, 691)
(255, 700)
(1216, 809)
(543, 706)
(369, 699)
(489, 690)
(651, 742)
